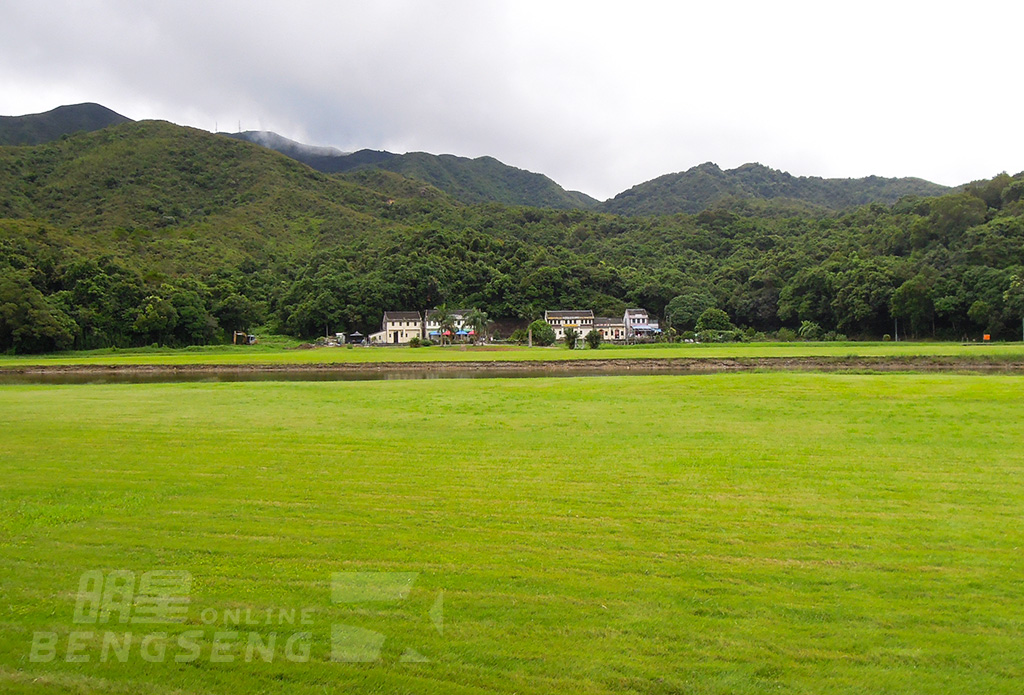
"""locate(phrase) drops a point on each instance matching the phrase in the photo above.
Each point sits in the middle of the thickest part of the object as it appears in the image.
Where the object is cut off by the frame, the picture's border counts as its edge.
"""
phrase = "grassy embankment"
(711, 534)
(283, 352)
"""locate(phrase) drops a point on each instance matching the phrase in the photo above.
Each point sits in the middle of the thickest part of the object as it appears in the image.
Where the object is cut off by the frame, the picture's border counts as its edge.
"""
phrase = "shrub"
(785, 335)
(543, 333)
(593, 339)
(809, 330)
(414, 342)
(710, 336)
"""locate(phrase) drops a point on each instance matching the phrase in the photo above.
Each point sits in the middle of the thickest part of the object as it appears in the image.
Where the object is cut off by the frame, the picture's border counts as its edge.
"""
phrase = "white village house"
(639, 324)
(580, 319)
(635, 324)
(432, 329)
(611, 329)
(398, 328)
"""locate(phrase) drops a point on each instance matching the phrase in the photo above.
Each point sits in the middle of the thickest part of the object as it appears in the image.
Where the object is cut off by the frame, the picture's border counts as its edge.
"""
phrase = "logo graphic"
(159, 597)
(121, 614)
(356, 644)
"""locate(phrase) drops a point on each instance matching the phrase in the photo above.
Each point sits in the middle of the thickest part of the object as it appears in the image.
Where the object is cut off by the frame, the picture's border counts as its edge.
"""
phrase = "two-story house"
(399, 327)
(580, 320)
(639, 324)
(610, 328)
(432, 329)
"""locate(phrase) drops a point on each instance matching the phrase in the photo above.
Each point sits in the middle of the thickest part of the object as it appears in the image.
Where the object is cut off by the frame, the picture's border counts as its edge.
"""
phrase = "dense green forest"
(480, 180)
(153, 233)
(485, 179)
(707, 185)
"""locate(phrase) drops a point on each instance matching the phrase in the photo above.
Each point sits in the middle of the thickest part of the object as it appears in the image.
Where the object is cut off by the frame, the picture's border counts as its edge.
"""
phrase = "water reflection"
(371, 374)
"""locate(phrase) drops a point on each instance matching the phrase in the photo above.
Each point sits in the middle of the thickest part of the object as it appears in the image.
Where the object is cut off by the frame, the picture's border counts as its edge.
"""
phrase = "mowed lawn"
(277, 354)
(731, 533)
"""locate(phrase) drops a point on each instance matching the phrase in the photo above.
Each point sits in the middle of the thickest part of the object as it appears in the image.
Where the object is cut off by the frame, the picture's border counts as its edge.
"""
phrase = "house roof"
(402, 316)
(606, 321)
(569, 314)
(636, 312)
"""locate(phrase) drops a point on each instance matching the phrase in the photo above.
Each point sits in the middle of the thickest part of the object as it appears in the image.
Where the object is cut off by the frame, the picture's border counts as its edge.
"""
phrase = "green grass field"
(731, 533)
(279, 353)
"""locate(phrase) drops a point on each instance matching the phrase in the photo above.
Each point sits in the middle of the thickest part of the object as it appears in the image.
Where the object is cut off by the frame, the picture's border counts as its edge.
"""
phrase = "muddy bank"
(544, 368)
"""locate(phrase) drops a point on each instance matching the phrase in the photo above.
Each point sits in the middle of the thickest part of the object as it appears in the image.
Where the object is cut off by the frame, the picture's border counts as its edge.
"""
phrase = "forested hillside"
(150, 232)
(706, 186)
(479, 180)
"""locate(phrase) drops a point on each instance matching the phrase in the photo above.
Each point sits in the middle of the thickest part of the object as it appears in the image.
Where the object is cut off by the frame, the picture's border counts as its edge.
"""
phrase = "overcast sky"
(598, 95)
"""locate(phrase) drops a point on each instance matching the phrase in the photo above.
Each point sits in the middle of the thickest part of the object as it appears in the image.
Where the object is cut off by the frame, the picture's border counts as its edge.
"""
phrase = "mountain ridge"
(486, 179)
(470, 180)
(40, 128)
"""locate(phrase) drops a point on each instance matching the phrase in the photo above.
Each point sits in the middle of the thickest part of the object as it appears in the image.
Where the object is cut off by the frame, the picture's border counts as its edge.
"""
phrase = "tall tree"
(684, 309)
(445, 321)
(912, 301)
(29, 321)
(477, 319)
(1013, 299)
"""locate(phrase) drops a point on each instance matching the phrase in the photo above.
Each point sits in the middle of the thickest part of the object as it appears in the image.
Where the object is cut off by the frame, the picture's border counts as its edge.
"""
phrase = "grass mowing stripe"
(726, 533)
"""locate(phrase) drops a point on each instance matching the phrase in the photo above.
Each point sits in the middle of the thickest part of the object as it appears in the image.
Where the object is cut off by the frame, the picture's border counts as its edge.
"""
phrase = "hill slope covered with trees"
(149, 232)
(479, 180)
(706, 186)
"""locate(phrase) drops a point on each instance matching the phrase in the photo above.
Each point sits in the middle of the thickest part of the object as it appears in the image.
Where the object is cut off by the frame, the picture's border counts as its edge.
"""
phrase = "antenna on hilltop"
(239, 126)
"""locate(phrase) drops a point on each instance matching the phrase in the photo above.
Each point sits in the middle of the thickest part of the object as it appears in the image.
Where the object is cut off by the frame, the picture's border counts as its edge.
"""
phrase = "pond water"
(234, 375)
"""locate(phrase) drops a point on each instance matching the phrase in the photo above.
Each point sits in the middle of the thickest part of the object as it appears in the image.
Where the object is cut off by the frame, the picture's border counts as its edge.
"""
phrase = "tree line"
(947, 267)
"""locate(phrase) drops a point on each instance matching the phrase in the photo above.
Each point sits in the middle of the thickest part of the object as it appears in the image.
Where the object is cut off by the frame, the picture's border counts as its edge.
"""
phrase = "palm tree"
(477, 319)
(445, 321)
(571, 336)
